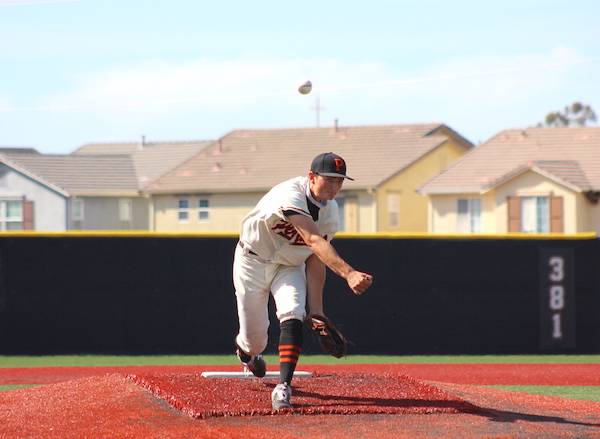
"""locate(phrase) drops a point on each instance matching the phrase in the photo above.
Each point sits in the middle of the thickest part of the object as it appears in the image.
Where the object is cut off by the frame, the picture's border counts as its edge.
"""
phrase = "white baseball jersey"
(277, 265)
(267, 232)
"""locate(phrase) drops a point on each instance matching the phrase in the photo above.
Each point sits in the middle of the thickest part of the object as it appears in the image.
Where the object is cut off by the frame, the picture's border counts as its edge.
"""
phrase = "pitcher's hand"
(359, 282)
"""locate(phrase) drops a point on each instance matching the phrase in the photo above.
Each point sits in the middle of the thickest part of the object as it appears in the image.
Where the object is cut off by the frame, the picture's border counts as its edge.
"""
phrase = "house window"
(11, 215)
(393, 205)
(183, 210)
(204, 210)
(468, 218)
(77, 213)
(125, 210)
(535, 215)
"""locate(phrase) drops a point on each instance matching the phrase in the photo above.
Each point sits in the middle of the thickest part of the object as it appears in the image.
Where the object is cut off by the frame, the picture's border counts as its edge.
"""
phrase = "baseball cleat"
(256, 364)
(281, 397)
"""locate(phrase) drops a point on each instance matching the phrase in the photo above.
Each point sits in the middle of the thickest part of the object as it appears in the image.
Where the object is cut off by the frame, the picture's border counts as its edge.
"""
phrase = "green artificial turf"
(209, 360)
(586, 393)
(16, 386)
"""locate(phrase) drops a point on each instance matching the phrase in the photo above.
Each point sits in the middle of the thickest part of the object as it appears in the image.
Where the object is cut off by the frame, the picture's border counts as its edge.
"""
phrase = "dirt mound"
(397, 406)
(342, 393)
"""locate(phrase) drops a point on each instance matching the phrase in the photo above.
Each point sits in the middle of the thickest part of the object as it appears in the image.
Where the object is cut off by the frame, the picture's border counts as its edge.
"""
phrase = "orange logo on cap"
(338, 164)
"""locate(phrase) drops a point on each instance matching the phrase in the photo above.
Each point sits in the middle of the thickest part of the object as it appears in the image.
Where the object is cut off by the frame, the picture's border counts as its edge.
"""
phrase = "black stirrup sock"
(290, 346)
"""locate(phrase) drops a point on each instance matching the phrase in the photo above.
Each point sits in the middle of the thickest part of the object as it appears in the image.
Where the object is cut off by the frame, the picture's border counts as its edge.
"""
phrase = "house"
(214, 190)
(17, 189)
(54, 190)
(98, 187)
(536, 180)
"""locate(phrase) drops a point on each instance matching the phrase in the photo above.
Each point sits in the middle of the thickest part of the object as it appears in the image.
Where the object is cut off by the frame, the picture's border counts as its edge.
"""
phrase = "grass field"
(586, 393)
(169, 360)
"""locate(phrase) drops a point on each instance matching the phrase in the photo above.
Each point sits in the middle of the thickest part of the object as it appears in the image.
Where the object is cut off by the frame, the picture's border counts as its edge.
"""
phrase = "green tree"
(575, 115)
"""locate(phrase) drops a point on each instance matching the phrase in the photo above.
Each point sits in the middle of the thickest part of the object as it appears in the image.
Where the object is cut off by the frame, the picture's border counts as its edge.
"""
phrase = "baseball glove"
(331, 339)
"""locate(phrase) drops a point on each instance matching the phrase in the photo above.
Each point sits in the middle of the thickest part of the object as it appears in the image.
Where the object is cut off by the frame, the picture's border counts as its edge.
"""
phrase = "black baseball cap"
(329, 164)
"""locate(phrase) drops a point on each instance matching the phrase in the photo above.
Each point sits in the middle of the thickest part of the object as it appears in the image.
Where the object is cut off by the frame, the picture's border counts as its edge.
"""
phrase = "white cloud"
(205, 98)
(159, 82)
(5, 101)
(232, 83)
(497, 76)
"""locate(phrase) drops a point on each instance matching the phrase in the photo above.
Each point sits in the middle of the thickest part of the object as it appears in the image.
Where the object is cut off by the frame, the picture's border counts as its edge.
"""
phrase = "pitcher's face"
(323, 187)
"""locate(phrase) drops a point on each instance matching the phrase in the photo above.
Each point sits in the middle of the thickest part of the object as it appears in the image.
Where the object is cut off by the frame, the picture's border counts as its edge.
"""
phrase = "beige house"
(537, 180)
(214, 190)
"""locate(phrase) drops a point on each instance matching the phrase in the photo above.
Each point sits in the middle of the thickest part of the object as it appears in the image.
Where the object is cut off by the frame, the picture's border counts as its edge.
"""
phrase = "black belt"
(241, 244)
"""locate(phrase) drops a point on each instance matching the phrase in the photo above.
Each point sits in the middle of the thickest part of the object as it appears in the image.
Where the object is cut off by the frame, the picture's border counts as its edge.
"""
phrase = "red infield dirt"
(345, 401)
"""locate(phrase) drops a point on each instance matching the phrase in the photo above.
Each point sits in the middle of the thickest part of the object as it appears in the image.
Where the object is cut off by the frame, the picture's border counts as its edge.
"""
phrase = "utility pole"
(317, 109)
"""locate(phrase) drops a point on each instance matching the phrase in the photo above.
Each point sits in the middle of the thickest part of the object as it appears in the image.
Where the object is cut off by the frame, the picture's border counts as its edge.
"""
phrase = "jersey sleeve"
(291, 199)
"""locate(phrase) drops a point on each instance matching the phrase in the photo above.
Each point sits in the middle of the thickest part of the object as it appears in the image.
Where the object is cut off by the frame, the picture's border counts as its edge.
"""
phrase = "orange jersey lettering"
(288, 231)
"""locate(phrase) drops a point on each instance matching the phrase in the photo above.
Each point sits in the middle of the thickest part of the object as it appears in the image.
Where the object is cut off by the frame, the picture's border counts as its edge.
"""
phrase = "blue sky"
(88, 71)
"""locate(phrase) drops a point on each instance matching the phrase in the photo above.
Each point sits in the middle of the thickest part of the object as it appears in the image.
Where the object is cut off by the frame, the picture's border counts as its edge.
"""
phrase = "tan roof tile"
(80, 174)
(255, 160)
(571, 154)
(566, 170)
(151, 159)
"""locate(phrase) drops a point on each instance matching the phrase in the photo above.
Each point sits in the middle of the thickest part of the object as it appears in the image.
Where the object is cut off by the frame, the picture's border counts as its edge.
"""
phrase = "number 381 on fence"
(557, 299)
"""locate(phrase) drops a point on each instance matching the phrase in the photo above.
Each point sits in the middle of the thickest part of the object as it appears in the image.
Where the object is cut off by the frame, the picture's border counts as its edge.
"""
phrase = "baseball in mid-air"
(305, 86)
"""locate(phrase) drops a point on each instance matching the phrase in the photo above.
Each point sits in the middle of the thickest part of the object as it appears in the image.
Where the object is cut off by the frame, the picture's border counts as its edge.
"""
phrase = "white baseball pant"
(254, 279)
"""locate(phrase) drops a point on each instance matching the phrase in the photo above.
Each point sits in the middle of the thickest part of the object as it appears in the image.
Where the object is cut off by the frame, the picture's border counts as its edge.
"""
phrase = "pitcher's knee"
(297, 314)
(252, 344)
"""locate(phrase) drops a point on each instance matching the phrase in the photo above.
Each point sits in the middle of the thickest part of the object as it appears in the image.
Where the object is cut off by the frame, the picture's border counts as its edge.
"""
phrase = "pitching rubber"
(226, 374)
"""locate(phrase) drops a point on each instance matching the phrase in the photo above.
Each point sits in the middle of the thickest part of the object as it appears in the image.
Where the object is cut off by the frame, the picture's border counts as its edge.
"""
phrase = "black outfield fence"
(172, 294)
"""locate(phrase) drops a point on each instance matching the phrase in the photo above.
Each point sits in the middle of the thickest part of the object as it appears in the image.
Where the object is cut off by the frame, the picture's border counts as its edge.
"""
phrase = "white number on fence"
(556, 293)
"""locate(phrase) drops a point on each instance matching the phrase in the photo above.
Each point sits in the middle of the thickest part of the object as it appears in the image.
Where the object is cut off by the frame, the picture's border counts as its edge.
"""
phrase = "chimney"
(142, 142)
(335, 125)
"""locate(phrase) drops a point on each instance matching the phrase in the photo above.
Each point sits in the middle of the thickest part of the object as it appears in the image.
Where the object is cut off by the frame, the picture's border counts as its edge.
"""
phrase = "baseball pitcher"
(284, 250)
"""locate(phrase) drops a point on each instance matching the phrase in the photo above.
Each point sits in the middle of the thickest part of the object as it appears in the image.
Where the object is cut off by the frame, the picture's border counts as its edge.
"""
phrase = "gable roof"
(570, 156)
(255, 160)
(565, 172)
(150, 159)
(79, 175)
(102, 169)
(17, 150)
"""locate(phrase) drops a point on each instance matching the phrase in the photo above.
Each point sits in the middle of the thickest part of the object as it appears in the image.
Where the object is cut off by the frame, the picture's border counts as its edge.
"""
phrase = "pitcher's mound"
(341, 393)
